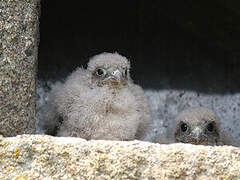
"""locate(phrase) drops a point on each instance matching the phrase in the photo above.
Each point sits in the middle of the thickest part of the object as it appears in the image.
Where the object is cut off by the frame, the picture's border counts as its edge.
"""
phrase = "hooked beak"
(197, 133)
(115, 75)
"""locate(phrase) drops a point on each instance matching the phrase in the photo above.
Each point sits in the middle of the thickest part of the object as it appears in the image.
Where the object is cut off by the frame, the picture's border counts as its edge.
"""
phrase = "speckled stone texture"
(18, 61)
(47, 157)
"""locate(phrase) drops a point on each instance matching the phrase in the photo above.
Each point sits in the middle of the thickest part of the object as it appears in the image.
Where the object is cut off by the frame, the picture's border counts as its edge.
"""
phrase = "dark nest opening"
(171, 44)
(177, 46)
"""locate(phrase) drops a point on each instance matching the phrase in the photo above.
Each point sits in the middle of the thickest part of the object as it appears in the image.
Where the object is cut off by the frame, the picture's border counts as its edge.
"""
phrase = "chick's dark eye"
(210, 127)
(184, 127)
(126, 72)
(100, 72)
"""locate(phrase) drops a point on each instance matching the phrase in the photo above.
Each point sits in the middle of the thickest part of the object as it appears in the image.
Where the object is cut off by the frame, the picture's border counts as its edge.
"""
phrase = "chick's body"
(101, 102)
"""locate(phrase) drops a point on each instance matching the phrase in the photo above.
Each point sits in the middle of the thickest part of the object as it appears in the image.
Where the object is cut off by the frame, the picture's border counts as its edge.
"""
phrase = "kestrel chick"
(100, 102)
(199, 126)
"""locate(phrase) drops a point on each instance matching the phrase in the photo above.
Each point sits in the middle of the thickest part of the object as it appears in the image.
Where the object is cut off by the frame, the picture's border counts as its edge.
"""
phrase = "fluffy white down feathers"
(100, 102)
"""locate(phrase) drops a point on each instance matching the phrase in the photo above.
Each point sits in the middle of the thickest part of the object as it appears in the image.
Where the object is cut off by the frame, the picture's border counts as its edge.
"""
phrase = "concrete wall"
(18, 65)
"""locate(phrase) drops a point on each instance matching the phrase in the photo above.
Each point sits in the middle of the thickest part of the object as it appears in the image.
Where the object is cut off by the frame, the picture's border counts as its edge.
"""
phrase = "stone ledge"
(38, 156)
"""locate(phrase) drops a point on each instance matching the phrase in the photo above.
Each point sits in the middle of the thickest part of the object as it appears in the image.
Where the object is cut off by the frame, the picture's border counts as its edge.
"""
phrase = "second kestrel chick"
(199, 126)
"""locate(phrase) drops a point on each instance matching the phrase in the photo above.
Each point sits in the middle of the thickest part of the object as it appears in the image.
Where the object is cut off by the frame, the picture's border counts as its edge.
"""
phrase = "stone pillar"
(19, 34)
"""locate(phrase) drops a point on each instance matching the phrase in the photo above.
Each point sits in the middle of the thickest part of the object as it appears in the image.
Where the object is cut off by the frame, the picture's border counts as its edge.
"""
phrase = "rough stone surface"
(46, 157)
(18, 61)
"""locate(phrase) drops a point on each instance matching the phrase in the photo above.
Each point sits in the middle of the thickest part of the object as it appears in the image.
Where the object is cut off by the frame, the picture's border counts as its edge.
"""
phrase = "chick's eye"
(210, 127)
(184, 127)
(126, 72)
(100, 72)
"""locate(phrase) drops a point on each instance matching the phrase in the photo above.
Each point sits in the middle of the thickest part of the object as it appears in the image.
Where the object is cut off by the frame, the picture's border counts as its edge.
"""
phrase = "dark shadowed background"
(171, 44)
